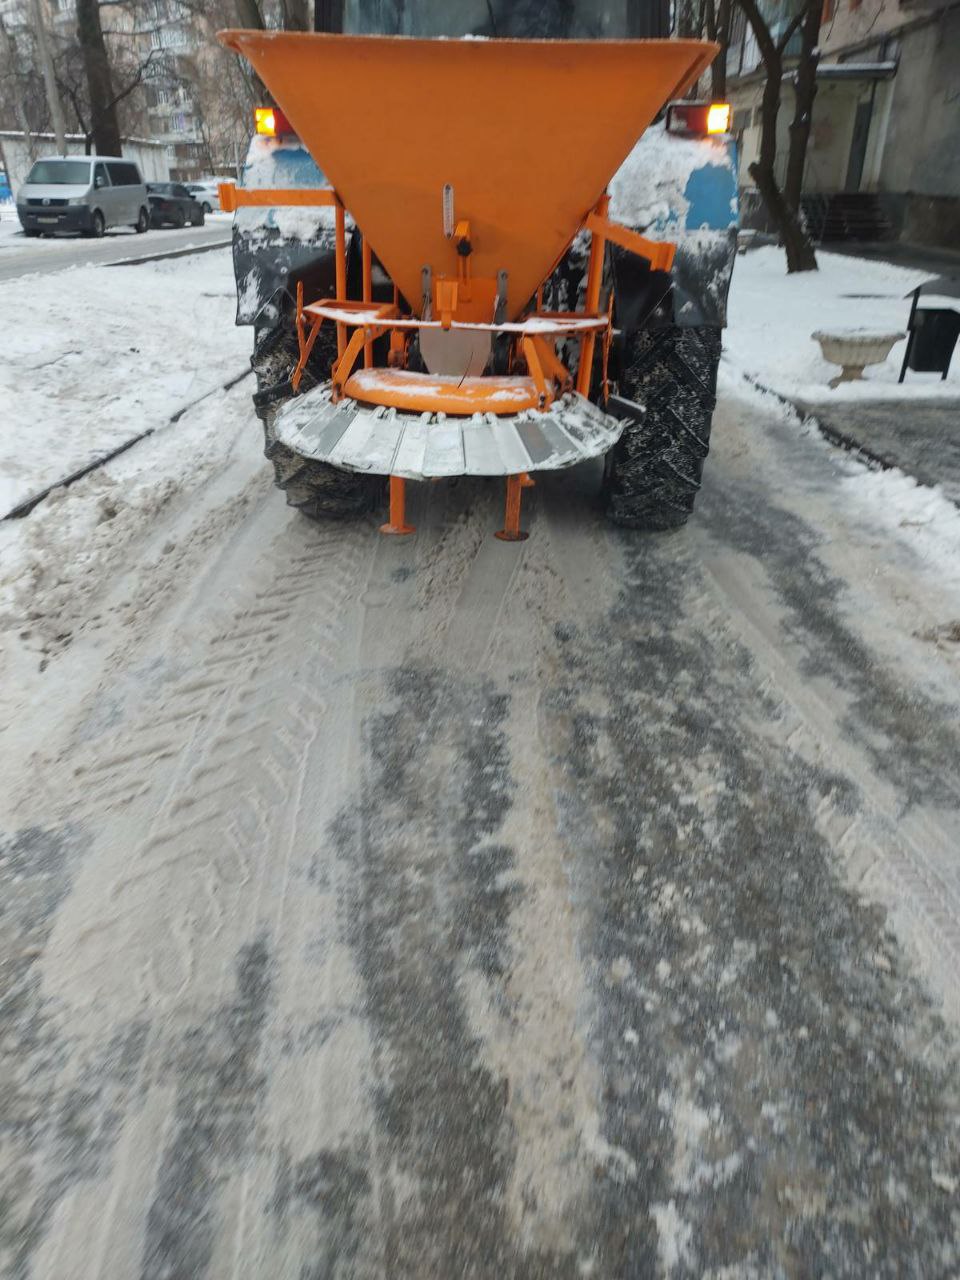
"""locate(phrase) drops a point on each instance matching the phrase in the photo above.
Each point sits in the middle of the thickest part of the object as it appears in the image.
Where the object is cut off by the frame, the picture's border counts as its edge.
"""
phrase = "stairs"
(845, 216)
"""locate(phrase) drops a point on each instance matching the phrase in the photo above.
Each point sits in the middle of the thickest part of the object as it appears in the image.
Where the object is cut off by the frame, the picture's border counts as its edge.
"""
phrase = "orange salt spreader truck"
(485, 257)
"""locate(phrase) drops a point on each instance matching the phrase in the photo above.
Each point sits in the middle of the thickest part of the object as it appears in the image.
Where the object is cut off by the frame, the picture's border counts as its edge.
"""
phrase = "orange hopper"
(524, 134)
(469, 166)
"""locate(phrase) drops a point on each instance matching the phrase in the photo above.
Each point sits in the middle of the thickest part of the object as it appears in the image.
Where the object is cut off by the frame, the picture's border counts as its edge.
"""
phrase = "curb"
(27, 505)
(876, 461)
(171, 253)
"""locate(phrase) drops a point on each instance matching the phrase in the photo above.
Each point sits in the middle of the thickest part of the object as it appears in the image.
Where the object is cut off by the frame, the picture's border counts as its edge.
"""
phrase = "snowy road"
(21, 257)
(437, 907)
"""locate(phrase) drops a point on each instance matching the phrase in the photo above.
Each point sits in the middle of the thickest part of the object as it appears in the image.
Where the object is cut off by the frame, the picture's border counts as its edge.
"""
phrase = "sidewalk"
(942, 264)
(913, 425)
(924, 442)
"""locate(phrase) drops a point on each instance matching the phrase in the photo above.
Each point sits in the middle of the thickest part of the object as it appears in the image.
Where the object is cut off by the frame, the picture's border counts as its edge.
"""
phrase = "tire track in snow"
(191, 885)
(904, 854)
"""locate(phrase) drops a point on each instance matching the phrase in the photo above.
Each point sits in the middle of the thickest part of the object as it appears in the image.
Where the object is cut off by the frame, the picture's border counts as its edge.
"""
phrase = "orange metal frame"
(451, 295)
(233, 197)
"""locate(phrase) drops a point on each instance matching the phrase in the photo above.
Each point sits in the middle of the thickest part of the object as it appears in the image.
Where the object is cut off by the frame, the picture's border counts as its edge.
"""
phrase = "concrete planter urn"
(854, 349)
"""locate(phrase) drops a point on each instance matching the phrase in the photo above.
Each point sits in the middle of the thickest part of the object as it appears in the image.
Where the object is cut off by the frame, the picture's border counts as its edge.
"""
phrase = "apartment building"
(884, 152)
(169, 41)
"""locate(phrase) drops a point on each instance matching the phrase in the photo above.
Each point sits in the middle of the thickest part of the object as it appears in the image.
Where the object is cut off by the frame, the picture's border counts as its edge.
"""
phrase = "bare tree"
(784, 206)
(49, 76)
(296, 15)
(104, 126)
(716, 25)
(249, 14)
(805, 90)
(12, 95)
(687, 19)
(129, 70)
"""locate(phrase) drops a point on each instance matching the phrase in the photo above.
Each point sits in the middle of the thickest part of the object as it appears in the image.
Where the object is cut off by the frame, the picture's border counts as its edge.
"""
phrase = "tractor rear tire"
(653, 472)
(318, 490)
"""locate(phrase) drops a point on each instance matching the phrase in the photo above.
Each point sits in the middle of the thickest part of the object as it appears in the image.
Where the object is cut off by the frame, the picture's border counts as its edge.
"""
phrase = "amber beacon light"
(270, 122)
(695, 119)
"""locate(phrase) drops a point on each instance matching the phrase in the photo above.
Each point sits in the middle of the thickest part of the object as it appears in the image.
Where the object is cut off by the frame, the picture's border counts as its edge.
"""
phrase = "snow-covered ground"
(275, 783)
(773, 315)
(888, 503)
(93, 355)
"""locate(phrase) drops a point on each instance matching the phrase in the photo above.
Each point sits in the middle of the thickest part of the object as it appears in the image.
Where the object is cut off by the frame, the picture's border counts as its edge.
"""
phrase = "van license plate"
(48, 219)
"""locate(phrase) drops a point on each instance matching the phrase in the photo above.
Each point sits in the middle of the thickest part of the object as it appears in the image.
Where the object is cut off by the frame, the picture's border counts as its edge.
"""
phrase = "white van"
(82, 193)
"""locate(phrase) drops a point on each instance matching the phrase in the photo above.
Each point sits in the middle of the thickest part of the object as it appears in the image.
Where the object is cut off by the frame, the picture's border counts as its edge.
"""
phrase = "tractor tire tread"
(316, 489)
(653, 473)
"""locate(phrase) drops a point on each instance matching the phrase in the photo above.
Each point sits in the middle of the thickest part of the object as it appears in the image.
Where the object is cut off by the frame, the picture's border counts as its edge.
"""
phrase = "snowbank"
(93, 355)
(896, 504)
(887, 503)
(56, 563)
(772, 315)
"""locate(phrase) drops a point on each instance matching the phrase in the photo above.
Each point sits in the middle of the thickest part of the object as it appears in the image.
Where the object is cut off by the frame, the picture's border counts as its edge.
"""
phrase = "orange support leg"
(340, 267)
(397, 524)
(511, 531)
(367, 296)
(592, 300)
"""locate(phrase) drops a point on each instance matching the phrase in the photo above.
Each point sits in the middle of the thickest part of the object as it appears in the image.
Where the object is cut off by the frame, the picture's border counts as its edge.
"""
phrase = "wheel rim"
(98, 225)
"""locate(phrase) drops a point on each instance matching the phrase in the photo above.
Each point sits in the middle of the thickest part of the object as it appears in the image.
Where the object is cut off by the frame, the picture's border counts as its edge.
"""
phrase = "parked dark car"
(172, 205)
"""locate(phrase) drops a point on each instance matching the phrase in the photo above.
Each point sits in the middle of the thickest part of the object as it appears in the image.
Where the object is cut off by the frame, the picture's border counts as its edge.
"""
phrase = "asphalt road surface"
(438, 907)
(20, 256)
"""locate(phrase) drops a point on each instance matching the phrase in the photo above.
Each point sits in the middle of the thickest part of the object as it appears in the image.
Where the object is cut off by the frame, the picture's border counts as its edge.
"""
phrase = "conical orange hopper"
(525, 134)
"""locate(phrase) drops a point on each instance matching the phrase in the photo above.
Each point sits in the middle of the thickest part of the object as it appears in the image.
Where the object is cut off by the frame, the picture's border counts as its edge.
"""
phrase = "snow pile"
(650, 189)
(93, 355)
(772, 317)
(896, 504)
(55, 563)
(886, 503)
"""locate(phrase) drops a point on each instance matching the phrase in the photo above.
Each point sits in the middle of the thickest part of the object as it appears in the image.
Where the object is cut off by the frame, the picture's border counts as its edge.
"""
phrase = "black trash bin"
(933, 333)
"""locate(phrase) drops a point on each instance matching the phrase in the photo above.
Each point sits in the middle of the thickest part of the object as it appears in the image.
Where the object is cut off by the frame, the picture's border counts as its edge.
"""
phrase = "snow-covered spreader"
(459, 260)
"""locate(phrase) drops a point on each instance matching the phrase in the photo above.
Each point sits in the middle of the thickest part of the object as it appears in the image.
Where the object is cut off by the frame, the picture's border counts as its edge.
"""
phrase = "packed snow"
(771, 320)
(888, 502)
(772, 317)
(93, 355)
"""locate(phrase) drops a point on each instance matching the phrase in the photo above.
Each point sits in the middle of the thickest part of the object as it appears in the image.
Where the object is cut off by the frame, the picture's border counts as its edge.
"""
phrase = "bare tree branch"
(788, 33)
(784, 212)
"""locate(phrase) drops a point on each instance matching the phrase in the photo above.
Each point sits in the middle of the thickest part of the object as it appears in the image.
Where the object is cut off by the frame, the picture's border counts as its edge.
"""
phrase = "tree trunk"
(805, 90)
(10, 55)
(296, 15)
(249, 15)
(49, 78)
(719, 19)
(686, 21)
(103, 112)
(796, 241)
